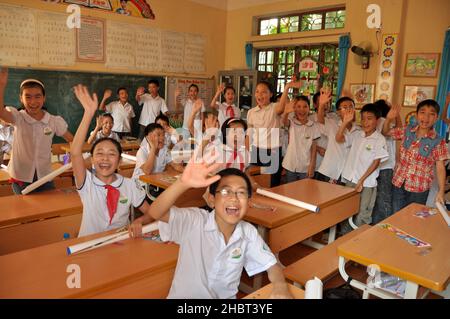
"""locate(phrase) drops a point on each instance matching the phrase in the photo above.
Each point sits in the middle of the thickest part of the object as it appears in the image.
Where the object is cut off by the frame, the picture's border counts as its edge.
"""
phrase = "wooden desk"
(289, 224)
(430, 269)
(264, 292)
(192, 198)
(133, 268)
(4, 176)
(126, 146)
(37, 219)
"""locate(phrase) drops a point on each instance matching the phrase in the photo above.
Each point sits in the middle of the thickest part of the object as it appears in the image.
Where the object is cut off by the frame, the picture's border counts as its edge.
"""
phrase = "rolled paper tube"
(49, 177)
(288, 200)
(313, 289)
(129, 157)
(106, 240)
(441, 208)
(4, 166)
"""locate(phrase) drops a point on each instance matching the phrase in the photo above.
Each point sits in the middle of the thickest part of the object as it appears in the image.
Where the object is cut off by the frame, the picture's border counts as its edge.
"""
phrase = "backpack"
(344, 291)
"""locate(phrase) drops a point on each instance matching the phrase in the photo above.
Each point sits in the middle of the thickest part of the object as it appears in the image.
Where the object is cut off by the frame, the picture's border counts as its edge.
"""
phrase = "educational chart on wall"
(205, 86)
(18, 36)
(194, 53)
(56, 40)
(148, 49)
(172, 51)
(91, 40)
(386, 70)
(120, 45)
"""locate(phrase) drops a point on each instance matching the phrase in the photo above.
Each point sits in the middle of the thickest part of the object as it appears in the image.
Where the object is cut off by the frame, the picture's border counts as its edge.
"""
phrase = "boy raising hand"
(216, 246)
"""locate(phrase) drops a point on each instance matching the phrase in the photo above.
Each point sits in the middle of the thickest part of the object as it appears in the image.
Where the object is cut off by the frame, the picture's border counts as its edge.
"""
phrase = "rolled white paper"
(184, 155)
(313, 289)
(49, 177)
(129, 157)
(106, 240)
(288, 200)
(4, 166)
(441, 208)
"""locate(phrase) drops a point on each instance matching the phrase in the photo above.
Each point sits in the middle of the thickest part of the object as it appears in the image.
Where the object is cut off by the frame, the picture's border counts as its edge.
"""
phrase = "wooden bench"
(322, 263)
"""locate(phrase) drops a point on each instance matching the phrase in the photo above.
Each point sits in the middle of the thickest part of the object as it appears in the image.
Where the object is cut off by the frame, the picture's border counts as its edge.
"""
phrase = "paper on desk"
(288, 200)
(106, 240)
(443, 212)
(129, 157)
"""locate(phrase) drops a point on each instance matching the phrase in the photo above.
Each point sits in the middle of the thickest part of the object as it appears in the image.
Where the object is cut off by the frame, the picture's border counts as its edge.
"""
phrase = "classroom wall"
(421, 25)
(174, 15)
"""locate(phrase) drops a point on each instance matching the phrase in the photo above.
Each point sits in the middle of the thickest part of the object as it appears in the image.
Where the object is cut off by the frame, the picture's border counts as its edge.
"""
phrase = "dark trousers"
(402, 198)
(383, 203)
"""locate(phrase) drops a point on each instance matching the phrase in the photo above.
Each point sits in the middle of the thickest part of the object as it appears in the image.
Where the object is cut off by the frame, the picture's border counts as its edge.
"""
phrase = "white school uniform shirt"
(334, 160)
(391, 149)
(151, 109)
(222, 112)
(364, 150)
(207, 267)
(32, 144)
(6, 136)
(121, 115)
(161, 160)
(93, 193)
(188, 105)
(264, 127)
(323, 140)
(301, 137)
(100, 135)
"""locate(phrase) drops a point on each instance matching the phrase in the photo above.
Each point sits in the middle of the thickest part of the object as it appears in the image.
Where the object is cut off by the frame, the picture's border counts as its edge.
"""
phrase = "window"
(304, 21)
(284, 63)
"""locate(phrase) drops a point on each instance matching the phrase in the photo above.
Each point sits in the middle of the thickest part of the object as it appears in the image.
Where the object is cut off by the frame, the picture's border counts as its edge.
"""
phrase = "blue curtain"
(249, 55)
(444, 82)
(344, 45)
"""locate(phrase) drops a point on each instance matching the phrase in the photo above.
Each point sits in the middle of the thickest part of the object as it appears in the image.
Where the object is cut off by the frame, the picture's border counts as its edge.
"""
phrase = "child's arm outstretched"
(90, 104)
(106, 96)
(98, 127)
(324, 99)
(349, 115)
(288, 109)
(195, 109)
(280, 288)
(284, 97)
(393, 114)
(5, 115)
(219, 91)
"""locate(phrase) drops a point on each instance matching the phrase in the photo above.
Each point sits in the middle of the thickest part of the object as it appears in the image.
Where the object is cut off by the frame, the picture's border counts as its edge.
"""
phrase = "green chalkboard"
(60, 99)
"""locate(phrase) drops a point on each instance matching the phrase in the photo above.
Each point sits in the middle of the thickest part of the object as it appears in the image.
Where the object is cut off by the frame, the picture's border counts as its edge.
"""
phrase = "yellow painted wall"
(175, 15)
(421, 25)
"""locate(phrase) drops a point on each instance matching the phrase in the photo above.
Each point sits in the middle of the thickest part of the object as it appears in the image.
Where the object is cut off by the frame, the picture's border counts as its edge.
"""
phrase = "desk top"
(42, 272)
(24, 208)
(396, 256)
(161, 180)
(308, 190)
(264, 292)
(126, 146)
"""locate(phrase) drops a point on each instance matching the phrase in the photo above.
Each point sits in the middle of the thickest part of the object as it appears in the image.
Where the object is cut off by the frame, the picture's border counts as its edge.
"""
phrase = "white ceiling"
(233, 4)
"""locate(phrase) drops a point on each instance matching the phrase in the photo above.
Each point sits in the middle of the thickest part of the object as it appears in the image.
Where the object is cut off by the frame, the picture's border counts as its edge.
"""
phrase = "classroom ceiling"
(233, 4)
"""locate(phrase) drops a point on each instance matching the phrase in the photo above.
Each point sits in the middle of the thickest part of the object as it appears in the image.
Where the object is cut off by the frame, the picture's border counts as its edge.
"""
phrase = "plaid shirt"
(414, 169)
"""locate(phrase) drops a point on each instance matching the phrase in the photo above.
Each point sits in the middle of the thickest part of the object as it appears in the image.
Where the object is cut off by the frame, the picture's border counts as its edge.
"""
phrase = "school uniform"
(298, 154)
(188, 105)
(264, 132)
(364, 151)
(334, 160)
(122, 115)
(32, 144)
(100, 135)
(97, 216)
(151, 109)
(323, 140)
(207, 267)
(161, 160)
(226, 111)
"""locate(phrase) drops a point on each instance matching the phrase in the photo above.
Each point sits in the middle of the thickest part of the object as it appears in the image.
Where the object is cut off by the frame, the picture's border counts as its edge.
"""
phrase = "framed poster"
(363, 93)
(91, 40)
(422, 64)
(414, 94)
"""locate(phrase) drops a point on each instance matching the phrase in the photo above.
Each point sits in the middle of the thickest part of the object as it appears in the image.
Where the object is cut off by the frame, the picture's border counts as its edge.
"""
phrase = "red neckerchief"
(233, 158)
(230, 111)
(112, 198)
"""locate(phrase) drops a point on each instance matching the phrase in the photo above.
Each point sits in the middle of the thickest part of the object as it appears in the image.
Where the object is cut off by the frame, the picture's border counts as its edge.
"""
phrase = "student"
(170, 134)
(6, 139)
(105, 123)
(368, 150)
(188, 105)
(226, 109)
(421, 149)
(106, 195)
(214, 247)
(152, 103)
(264, 122)
(300, 159)
(34, 129)
(121, 111)
(333, 162)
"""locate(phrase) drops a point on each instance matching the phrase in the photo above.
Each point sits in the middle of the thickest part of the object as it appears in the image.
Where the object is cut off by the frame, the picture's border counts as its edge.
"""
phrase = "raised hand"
(107, 94)
(99, 123)
(325, 96)
(89, 103)
(140, 90)
(153, 142)
(198, 170)
(349, 116)
(3, 78)
(294, 84)
(393, 112)
(220, 88)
